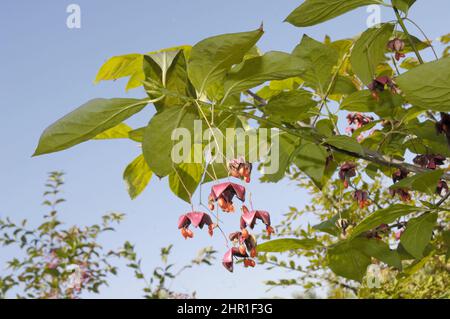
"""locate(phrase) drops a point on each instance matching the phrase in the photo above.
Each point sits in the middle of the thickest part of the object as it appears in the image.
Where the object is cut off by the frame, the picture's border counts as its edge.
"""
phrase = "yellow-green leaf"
(136, 176)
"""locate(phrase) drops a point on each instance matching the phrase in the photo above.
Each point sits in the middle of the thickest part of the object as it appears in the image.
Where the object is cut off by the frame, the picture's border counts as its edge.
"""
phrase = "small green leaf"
(428, 85)
(312, 12)
(369, 51)
(137, 135)
(383, 216)
(346, 143)
(418, 234)
(137, 175)
(423, 182)
(86, 122)
(287, 244)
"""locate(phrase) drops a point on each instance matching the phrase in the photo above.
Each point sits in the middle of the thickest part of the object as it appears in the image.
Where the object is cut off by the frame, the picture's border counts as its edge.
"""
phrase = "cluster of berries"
(222, 195)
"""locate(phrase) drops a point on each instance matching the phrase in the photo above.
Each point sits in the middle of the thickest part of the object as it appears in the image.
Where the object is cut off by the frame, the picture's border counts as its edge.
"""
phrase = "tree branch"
(368, 155)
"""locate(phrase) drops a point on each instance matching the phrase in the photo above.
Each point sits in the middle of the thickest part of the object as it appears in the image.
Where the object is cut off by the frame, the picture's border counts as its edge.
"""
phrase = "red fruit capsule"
(249, 263)
(270, 230)
(245, 233)
(242, 250)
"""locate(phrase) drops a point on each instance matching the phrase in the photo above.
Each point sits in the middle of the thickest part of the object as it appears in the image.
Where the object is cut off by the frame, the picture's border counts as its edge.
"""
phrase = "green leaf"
(136, 176)
(347, 261)
(383, 216)
(137, 135)
(379, 250)
(291, 106)
(122, 66)
(86, 122)
(319, 60)
(185, 179)
(350, 258)
(312, 12)
(273, 65)
(360, 101)
(428, 85)
(403, 5)
(329, 226)
(157, 143)
(345, 143)
(212, 57)
(423, 182)
(369, 51)
(287, 244)
(120, 131)
(344, 86)
(409, 63)
(418, 234)
(311, 160)
(287, 146)
(167, 68)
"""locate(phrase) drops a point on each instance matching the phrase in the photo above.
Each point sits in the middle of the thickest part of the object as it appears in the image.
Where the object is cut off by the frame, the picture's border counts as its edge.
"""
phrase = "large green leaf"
(369, 51)
(428, 85)
(418, 234)
(312, 12)
(86, 122)
(383, 216)
(212, 57)
(347, 261)
(345, 143)
(311, 159)
(291, 106)
(350, 258)
(137, 175)
(378, 249)
(423, 182)
(157, 143)
(287, 244)
(185, 179)
(273, 65)
(319, 60)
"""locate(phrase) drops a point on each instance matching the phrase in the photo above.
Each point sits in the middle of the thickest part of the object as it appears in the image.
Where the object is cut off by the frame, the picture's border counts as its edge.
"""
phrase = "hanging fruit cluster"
(244, 244)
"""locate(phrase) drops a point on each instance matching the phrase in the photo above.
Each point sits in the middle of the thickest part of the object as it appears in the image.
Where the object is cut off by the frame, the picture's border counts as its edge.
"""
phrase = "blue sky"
(47, 70)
